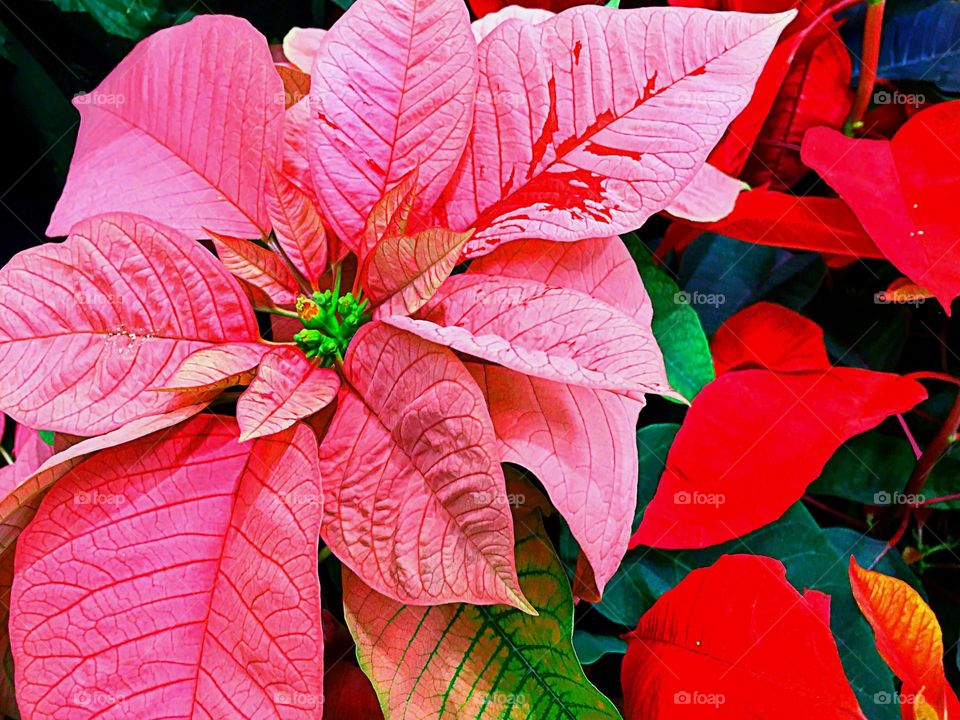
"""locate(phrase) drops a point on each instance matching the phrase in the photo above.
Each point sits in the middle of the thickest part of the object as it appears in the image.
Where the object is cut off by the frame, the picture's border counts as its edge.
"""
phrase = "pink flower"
(418, 148)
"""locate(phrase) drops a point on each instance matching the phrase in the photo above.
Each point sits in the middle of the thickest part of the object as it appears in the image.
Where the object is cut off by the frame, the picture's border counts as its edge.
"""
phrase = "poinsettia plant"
(345, 349)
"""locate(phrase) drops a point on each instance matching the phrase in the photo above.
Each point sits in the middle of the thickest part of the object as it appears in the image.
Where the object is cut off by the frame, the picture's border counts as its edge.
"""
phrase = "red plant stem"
(836, 513)
(892, 542)
(872, 31)
(906, 431)
(934, 450)
(941, 499)
(943, 377)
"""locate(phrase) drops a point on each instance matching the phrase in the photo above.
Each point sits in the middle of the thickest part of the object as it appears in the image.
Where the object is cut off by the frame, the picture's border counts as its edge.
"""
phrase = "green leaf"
(591, 647)
(653, 444)
(676, 325)
(131, 19)
(945, 479)
(871, 469)
(46, 436)
(865, 549)
(459, 661)
(722, 276)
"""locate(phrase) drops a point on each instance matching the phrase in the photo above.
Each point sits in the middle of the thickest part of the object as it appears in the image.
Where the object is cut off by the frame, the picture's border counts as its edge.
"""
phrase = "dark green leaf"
(675, 325)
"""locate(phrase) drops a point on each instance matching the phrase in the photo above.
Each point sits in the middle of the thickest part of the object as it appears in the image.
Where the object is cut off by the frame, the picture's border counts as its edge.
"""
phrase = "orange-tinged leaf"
(402, 273)
(216, 368)
(257, 266)
(908, 636)
(297, 224)
(390, 215)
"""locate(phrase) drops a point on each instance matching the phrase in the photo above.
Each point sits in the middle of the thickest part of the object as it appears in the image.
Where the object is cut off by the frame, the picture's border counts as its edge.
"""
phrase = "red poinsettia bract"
(758, 435)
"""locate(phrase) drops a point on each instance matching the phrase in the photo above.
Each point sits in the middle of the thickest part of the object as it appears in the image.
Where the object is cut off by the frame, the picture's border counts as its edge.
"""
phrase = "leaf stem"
(934, 450)
(280, 311)
(872, 32)
(6, 455)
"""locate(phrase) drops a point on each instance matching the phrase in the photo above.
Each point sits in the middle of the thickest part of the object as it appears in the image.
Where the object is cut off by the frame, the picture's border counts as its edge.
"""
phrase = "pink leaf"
(182, 131)
(296, 148)
(287, 387)
(20, 494)
(902, 191)
(297, 225)
(579, 132)
(392, 90)
(545, 331)
(415, 501)
(262, 268)
(580, 443)
(301, 45)
(402, 273)
(218, 367)
(150, 586)
(710, 196)
(486, 24)
(126, 300)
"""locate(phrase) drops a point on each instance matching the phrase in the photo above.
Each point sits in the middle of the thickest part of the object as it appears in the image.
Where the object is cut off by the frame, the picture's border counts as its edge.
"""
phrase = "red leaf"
(815, 92)
(903, 191)
(149, 585)
(782, 417)
(767, 217)
(734, 641)
(770, 336)
(348, 694)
